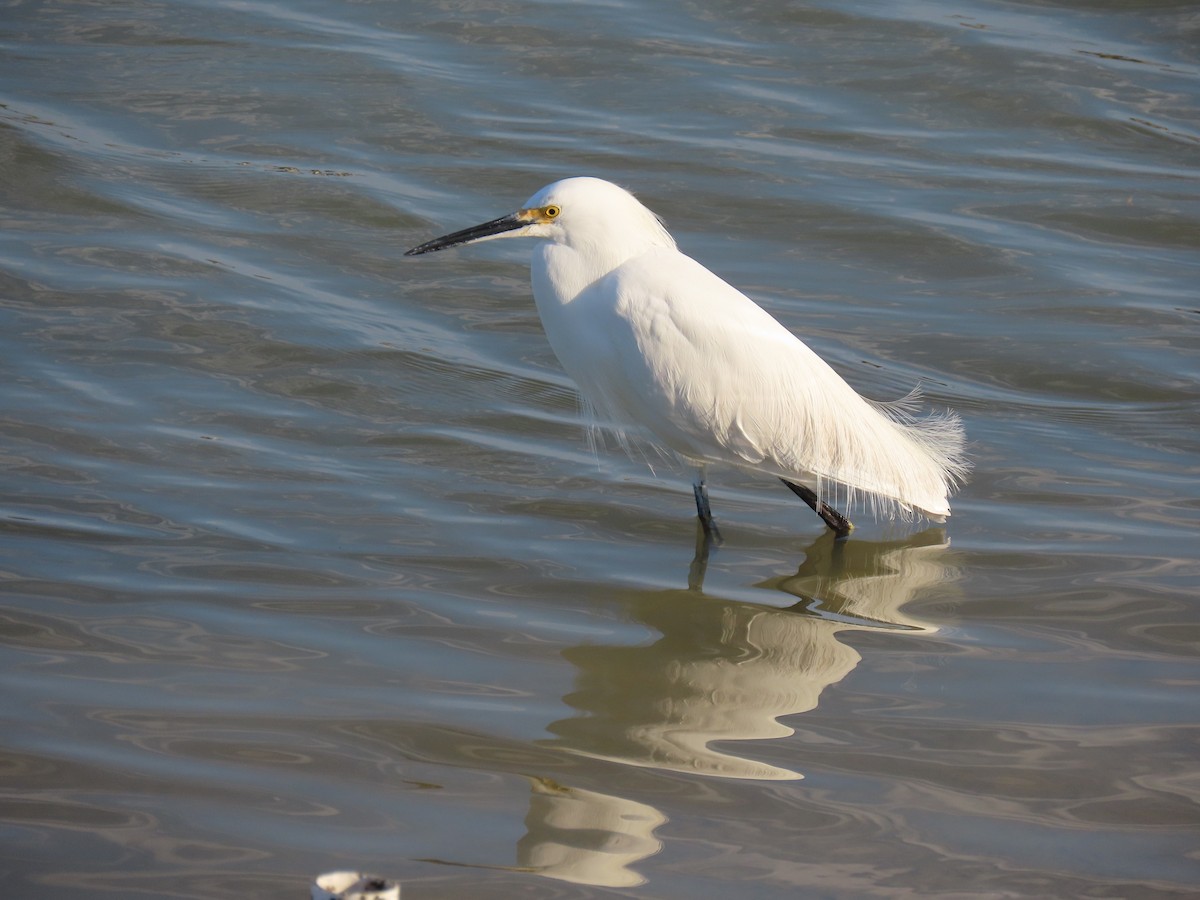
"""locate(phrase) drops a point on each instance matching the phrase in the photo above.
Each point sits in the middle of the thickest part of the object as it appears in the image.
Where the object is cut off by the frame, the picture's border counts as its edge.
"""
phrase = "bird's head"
(578, 212)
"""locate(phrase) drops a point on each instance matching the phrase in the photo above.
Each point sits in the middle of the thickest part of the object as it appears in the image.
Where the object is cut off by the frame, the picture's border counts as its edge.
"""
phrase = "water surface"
(307, 563)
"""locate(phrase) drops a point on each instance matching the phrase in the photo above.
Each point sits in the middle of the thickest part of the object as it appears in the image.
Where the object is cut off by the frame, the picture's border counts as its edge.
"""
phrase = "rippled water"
(307, 564)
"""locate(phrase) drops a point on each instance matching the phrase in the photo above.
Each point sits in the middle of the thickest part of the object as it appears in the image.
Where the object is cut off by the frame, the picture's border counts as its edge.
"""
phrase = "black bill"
(510, 222)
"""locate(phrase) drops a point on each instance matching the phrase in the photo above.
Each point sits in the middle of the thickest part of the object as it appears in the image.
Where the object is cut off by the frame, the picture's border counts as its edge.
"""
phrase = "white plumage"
(662, 347)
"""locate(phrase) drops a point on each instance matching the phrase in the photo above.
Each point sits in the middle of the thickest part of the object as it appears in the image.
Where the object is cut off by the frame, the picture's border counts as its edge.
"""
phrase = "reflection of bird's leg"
(704, 542)
(840, 524)
(703, 510)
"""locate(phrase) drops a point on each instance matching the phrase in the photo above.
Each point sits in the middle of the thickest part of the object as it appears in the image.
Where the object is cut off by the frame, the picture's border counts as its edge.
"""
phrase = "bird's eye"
(551, 212)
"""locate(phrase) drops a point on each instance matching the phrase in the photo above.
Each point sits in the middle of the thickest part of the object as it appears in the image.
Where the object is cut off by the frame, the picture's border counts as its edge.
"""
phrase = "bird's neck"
(561, 272)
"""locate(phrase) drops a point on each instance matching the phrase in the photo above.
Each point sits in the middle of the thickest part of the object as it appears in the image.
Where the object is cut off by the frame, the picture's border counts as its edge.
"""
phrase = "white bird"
(663, 348)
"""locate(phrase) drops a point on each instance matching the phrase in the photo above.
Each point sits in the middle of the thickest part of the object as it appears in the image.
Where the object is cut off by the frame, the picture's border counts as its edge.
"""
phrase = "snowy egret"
(661, 347)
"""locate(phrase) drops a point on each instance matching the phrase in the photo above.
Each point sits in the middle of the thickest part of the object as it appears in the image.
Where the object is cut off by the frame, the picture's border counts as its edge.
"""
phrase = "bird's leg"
(703, 510)
(840, 524)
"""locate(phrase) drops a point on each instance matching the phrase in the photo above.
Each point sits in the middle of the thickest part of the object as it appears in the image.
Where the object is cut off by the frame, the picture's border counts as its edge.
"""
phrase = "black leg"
(704, 511)
(840, 524)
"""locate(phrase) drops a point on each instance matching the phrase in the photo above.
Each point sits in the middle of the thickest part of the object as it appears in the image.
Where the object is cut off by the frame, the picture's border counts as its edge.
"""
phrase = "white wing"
(703, 370)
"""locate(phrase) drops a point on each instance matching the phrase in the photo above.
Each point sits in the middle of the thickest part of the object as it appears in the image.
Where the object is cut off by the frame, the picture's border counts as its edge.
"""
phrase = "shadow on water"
(720, 671)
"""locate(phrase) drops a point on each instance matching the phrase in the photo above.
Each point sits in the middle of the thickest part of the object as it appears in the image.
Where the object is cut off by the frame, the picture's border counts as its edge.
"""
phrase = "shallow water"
(307, 564)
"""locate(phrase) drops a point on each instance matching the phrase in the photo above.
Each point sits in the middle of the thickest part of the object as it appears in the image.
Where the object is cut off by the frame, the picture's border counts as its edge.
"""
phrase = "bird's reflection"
(721, 671)
(728, 671)
(586, 837)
